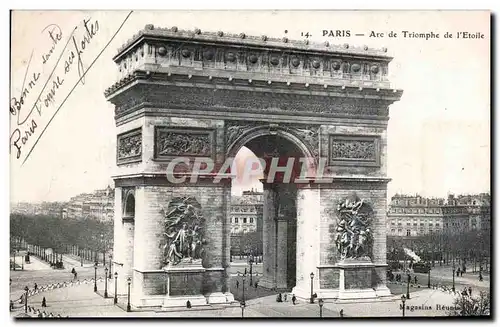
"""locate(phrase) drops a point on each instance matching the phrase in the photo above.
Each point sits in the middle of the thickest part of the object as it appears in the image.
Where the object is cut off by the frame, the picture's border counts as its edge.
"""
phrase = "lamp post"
(26, 289)
(95, 276)
(429, 277)
(403, 299)
(115, 301)
(312, 298)
(243, 279)
(251, 262)
(408, 287)
(453, 287)
(320, 302)
(106, 282)
(103, 251)
(110, 266)
(242, 305)
(129, 280)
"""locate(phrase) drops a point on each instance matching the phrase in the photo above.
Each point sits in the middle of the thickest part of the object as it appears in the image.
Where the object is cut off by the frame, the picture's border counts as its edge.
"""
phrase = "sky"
(438, 134)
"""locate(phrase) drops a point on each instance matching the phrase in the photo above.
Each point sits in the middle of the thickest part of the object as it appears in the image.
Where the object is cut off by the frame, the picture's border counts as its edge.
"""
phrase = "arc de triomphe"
(196, 94)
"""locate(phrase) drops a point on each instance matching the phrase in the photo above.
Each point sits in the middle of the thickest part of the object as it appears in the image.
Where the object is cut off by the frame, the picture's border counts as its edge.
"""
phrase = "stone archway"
(279, 200)
(180, 94)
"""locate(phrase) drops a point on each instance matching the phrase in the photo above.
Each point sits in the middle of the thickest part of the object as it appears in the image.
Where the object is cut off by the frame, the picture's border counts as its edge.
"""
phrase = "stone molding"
(160, 179)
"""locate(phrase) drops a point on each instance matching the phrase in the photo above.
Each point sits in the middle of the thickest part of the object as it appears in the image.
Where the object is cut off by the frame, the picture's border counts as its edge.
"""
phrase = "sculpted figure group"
(184, 231)
(353, 236)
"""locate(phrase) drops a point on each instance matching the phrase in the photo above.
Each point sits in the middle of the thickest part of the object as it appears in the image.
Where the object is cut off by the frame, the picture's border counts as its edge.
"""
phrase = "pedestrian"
(36, 286)
(415, 279)
(76, 275)
(73, 270)
(237, 284)
(461, 273)
(480, 277)
(341, 313)
(293, 299)
(278, 298)
(284, 297)
(458, 272)
(256, 283)
(470, 291)
(44, 302)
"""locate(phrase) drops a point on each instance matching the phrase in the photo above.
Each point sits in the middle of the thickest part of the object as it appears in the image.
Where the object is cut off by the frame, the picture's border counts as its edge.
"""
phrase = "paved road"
(81, 301)
(444, 277)
(45, 276)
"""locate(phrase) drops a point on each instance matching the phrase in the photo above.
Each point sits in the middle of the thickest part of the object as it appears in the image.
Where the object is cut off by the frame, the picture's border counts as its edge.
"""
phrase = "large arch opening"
(274, 267)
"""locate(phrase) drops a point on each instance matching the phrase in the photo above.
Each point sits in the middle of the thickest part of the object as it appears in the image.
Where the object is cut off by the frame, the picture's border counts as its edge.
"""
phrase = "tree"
(57, 233)
(471, 306)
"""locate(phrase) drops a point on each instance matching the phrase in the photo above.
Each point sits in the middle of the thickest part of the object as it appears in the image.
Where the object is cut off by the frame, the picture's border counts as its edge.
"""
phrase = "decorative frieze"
(129, 147)
(173, 142)
(354, 150)
(226, 100)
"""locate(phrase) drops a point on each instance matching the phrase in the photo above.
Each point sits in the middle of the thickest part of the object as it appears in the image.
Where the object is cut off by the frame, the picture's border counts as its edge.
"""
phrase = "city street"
(442, 275)
(79, 300)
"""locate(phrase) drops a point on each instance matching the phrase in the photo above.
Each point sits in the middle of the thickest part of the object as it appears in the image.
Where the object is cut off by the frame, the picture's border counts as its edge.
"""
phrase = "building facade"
(98, 204)
(246, 212)
(414, 215)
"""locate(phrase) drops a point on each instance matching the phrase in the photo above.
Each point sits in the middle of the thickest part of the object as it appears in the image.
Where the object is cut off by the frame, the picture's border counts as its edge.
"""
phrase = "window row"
(236, 220)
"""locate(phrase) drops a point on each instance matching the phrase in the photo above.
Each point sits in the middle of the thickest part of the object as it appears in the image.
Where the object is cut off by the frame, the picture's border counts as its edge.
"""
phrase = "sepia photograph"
(322, 164)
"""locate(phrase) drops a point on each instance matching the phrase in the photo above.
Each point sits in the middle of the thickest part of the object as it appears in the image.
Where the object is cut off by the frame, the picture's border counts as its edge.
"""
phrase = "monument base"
(185, 283)
(355, 279)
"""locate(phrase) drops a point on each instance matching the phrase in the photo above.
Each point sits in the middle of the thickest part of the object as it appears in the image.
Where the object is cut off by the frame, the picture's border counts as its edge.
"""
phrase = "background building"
(414, 215)
(98, 204)
(246, 212)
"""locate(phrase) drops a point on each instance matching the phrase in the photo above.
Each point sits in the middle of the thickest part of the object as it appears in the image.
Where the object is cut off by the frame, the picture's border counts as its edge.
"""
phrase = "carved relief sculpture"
(129, 147)
(353, 236)
(184, 231)
(310, 136)
(170, 142)
(354, 150)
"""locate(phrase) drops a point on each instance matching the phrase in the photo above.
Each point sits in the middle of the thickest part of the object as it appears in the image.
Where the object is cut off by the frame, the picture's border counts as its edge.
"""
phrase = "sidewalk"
(35, 263)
